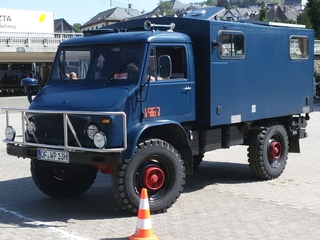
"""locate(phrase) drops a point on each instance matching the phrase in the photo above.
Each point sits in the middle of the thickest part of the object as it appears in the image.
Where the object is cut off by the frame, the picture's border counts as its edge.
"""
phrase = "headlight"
(91, 131)
(32, 127)
(100, 140)
(10, 133)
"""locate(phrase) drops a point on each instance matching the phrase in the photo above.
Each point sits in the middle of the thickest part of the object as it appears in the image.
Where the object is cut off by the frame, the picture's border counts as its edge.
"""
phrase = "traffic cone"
(144, 228)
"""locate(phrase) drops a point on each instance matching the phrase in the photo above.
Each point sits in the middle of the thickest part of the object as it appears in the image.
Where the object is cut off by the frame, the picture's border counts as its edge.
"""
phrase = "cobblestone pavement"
(222, 200)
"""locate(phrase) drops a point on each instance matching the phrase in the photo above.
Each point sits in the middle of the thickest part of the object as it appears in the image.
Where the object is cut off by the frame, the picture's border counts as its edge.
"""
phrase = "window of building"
(231, 45)
(299, 47)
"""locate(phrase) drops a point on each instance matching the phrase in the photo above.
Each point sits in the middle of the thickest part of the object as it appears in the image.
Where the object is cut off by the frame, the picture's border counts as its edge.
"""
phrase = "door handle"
(186, 89)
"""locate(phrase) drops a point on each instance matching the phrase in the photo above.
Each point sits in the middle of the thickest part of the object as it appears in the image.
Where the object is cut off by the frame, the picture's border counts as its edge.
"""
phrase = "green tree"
(303, 19)
(291, 21)
(263, 13)
(243, 3)
(313, 13)
(211, 2)
(165, 8)
(77, 26)
(223, 3)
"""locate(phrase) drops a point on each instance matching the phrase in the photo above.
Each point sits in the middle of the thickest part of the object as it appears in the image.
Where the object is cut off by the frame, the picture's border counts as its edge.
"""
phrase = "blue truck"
(145, 99)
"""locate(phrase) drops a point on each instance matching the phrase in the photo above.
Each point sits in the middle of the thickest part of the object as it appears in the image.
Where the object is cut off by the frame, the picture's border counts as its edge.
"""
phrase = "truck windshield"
(107, 62)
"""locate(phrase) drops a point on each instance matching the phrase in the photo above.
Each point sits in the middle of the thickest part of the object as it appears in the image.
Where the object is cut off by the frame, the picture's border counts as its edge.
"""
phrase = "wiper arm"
(62, 71)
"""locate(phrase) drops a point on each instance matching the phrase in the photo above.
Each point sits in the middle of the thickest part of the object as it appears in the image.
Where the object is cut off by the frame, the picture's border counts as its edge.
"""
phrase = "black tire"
(197, 160)
(62, 181)
(156, 166)
(268, 151)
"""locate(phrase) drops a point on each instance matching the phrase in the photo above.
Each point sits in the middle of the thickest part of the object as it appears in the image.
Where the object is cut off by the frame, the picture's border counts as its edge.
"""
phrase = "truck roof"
(110, 36)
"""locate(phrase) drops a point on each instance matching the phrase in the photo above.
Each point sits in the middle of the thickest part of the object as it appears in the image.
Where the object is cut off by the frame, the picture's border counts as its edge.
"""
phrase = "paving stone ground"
(222, 200)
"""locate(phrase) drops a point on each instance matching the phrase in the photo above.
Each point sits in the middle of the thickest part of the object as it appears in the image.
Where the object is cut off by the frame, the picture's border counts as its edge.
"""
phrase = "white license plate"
(53, 155)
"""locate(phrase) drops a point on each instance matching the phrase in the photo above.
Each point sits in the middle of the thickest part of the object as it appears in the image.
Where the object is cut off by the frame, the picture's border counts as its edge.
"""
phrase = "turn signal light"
(106, 120)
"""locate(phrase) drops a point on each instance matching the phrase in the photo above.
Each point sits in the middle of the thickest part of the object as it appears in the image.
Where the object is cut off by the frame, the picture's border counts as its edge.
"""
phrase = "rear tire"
(62, 181)
(268, 151)
(156, 166)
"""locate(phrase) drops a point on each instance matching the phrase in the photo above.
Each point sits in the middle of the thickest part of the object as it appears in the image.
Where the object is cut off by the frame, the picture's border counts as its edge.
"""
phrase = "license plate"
(53, 155)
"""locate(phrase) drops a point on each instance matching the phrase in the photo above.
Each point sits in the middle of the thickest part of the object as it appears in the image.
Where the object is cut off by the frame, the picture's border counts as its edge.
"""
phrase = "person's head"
(73, 75)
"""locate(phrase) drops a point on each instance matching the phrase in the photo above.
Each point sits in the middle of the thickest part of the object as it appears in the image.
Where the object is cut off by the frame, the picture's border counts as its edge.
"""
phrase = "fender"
(155, 129)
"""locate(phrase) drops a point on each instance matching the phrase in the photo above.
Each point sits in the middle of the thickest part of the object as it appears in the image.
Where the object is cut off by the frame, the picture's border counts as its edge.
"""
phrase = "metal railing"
(34, 39)
(24, 123)
(316, 47)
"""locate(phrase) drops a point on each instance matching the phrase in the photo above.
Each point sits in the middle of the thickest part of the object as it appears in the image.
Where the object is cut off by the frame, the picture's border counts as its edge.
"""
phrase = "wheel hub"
(275, 150)
(153, 178)
(63, 174)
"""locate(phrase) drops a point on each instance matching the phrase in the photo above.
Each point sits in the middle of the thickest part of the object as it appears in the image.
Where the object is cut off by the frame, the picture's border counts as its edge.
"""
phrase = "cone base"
(134, 237)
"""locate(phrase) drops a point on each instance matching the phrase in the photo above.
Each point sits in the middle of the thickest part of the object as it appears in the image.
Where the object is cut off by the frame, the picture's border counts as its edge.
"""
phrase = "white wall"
(13, 20)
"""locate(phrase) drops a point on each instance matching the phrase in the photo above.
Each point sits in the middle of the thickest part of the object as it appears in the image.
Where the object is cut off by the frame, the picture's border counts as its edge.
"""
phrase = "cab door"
(169, 97)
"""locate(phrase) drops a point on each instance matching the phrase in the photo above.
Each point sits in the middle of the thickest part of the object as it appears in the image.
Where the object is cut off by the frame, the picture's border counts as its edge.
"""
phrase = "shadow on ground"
(23, 197)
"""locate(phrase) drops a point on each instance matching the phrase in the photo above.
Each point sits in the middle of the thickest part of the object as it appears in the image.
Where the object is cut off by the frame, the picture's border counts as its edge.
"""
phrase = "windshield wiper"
(62, 71)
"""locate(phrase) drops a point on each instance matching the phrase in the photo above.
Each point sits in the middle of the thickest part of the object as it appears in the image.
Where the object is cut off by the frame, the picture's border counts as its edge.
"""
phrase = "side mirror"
(32, 87)
(165, 66)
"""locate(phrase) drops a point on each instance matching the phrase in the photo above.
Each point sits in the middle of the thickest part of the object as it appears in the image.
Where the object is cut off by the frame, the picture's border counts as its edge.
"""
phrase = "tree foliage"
(211, 2)
(165, 8)
(312, 14)
(223, 3)
(242, 3)
(263, 13)
(76, 27)
(303, 18)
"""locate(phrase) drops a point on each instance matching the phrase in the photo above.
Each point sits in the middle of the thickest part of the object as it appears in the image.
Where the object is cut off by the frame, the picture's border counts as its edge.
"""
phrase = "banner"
(30, 21)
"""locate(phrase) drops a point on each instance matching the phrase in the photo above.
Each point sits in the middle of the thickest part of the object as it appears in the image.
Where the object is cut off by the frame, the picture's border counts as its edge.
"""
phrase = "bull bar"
(66, 125)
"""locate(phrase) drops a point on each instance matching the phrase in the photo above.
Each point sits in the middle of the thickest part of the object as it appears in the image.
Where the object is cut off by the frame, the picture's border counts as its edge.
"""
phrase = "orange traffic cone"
(144, 228)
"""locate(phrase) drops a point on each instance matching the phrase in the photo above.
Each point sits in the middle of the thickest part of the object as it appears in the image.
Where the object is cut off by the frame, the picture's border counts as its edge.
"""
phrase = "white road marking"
(44, 225)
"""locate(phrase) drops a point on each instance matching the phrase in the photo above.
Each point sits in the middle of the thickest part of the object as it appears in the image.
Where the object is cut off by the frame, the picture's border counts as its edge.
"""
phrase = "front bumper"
(22, 147)
(74, 156)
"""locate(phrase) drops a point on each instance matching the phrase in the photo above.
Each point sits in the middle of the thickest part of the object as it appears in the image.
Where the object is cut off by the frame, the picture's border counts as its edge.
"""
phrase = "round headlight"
(32, 127)
(10, 133)
(100, 140)
(91, 131)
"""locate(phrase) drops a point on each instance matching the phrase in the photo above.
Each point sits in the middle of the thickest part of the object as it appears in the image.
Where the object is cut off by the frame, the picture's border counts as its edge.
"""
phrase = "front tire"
(156, 166)
(62, 181)
(268, 152)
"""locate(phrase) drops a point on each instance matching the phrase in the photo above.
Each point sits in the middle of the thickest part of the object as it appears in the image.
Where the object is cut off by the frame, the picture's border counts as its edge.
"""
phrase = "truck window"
(177, 55)
(231, 45)
(71, 65)
(117, 62)
(299, 47)
(102, 62)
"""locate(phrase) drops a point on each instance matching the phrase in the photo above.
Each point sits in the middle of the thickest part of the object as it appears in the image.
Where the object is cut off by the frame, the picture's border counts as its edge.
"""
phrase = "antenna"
(148, 25)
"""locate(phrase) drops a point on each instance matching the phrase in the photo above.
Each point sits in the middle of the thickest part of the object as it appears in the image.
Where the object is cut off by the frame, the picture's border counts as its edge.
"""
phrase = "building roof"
(290, 12)
(242, 12)
(62, 26)
(113, 14)
(282, 13)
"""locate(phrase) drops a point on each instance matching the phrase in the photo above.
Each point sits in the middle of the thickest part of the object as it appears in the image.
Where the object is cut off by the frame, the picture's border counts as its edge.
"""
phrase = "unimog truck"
(145, 99)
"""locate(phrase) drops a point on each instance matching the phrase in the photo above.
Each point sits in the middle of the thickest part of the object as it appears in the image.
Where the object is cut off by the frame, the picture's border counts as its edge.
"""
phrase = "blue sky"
(78, 11)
